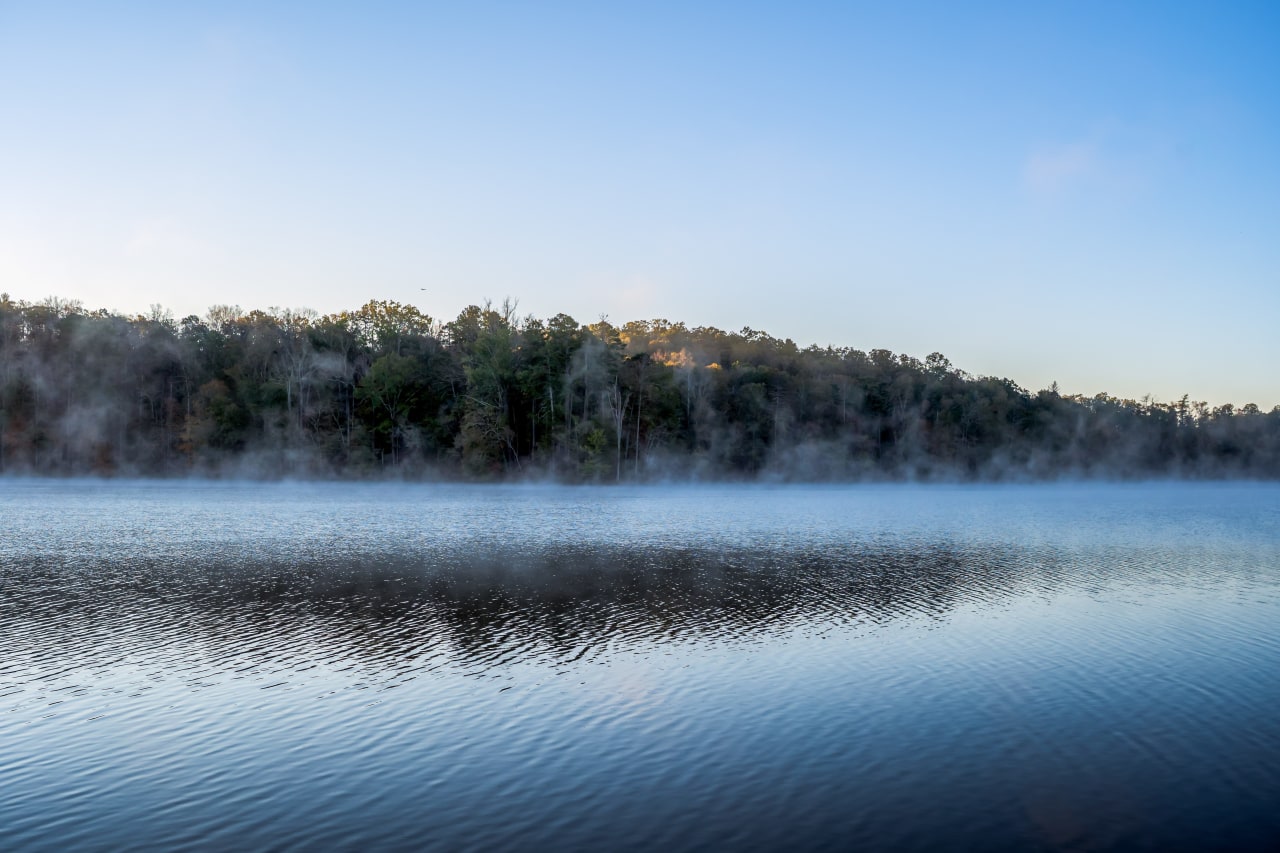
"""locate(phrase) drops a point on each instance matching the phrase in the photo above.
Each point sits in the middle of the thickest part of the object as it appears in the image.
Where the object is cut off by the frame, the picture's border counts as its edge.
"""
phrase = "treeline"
(386, 390)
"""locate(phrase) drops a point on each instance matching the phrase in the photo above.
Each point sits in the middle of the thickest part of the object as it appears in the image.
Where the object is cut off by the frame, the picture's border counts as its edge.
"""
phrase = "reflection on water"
(374, 667)
(544, 605)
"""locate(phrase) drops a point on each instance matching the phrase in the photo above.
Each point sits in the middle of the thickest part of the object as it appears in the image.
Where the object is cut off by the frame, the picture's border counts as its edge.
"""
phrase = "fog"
(387, 393)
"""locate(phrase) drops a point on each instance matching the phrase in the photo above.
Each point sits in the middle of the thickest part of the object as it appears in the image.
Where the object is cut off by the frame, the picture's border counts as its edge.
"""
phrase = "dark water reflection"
(1019, 668)
(541, 603)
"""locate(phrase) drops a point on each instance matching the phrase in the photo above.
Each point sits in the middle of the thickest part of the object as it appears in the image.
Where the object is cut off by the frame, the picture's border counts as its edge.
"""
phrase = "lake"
(376, 666)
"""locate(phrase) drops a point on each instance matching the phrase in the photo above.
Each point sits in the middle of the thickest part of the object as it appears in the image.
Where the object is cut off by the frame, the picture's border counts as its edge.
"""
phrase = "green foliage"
(490, 395)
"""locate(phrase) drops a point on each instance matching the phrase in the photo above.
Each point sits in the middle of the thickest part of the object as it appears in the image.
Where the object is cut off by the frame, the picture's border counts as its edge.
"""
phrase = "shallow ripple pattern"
(237, 666)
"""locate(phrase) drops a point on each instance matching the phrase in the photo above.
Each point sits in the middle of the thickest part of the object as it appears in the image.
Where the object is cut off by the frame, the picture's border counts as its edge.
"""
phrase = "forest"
(386, 391)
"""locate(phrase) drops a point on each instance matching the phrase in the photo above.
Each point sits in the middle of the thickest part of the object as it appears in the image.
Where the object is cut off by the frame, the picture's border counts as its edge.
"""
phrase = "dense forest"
(388, 391)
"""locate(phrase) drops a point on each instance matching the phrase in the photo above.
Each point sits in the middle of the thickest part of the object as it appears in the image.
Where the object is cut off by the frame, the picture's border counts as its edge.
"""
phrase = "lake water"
(396, 667)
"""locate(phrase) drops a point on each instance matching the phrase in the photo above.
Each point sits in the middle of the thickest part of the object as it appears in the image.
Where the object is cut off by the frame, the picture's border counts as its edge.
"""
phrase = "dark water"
(381, 667)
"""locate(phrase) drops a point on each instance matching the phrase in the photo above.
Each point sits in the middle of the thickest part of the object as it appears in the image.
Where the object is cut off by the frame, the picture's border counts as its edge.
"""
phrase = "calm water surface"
(382, 667)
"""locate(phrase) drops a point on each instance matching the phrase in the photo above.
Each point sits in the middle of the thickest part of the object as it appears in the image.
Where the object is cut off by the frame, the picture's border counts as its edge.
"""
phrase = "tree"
(390, 390)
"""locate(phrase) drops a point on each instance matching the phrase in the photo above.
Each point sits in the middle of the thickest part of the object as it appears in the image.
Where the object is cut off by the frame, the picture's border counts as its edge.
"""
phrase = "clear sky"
(1080, 192)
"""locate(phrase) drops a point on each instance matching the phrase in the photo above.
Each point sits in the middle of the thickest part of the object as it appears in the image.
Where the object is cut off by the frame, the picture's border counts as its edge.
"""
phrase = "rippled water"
(365, 667)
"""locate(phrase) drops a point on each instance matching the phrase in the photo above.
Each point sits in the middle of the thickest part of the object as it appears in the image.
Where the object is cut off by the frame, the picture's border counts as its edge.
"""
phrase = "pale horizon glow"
(1086, 194)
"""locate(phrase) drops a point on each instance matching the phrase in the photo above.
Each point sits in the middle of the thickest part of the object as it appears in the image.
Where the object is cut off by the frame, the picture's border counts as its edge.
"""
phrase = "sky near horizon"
(1080, 192)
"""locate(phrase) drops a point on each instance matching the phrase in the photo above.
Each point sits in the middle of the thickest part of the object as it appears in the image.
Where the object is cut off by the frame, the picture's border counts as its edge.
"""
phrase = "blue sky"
(1087, 193)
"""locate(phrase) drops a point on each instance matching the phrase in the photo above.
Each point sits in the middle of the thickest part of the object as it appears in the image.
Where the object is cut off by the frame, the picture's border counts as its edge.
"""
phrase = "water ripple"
(371, 667)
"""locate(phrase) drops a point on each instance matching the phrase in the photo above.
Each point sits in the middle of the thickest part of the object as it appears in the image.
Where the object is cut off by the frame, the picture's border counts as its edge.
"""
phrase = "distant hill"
(388, 391)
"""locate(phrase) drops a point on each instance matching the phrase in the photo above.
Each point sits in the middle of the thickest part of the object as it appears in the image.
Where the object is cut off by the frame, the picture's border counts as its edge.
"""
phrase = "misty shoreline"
(533, 482)
(387, 393)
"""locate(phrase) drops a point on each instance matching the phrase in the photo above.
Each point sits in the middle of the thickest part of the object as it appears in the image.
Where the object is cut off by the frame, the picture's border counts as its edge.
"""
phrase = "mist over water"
(383, 667)
(388, 393)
